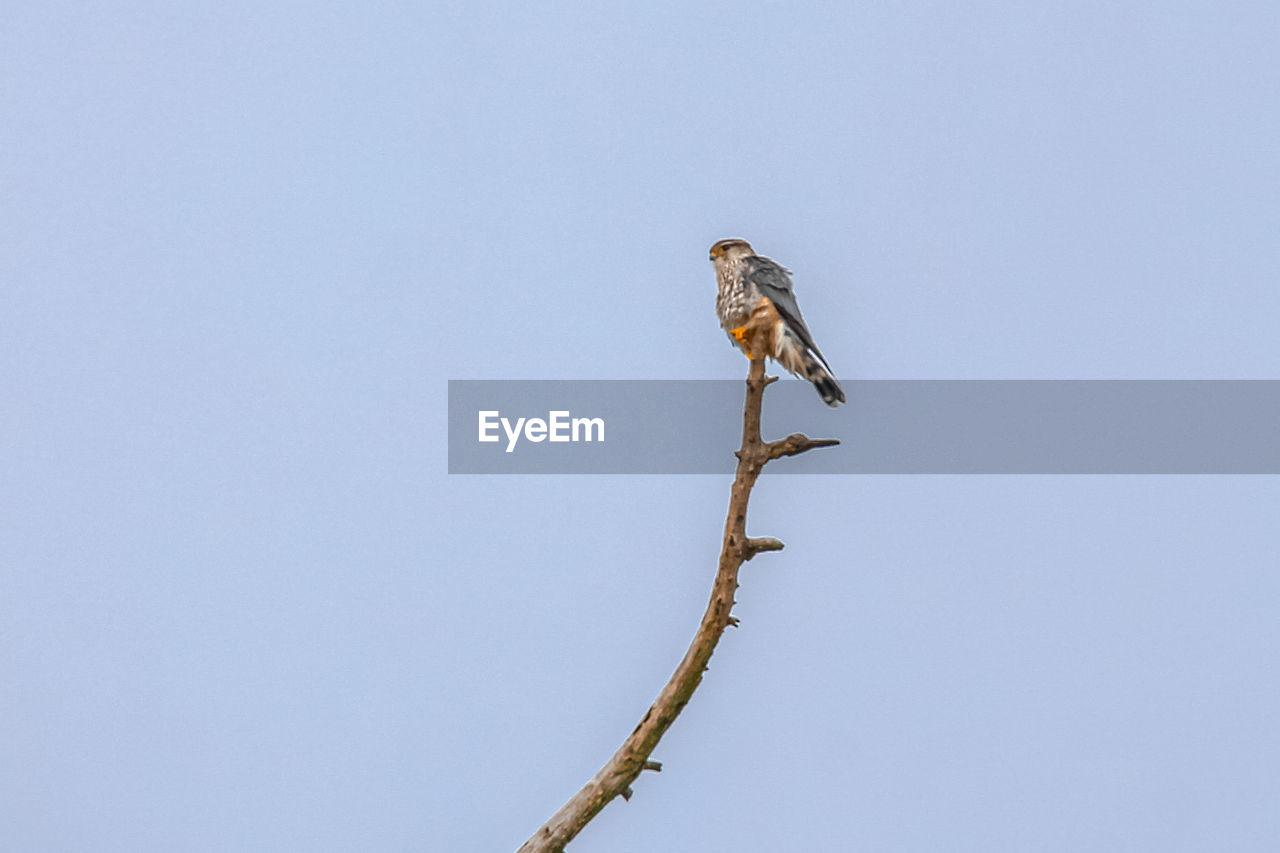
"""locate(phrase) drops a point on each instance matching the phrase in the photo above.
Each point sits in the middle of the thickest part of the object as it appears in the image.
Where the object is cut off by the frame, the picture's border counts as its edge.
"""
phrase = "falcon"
(757, 307)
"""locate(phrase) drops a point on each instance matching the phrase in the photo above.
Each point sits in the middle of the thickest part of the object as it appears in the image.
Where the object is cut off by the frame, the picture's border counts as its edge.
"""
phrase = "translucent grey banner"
(887, 427)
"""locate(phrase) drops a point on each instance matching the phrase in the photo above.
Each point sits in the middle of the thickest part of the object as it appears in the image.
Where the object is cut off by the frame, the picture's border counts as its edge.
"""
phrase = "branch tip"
(655, 766)
(795, 444)
(754, 545)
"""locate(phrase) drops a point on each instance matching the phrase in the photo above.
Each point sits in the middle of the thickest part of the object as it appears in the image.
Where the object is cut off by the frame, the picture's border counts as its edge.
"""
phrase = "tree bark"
(632, 758)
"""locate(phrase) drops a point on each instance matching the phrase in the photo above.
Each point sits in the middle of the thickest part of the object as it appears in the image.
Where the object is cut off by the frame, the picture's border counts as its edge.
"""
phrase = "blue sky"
(242, 248)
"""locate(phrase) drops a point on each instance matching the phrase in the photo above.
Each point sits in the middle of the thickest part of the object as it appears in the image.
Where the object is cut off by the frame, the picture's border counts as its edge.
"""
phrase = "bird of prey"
(757, 307)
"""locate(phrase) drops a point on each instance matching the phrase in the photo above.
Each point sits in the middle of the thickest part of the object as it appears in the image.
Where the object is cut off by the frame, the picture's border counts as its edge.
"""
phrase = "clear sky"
(243, 246)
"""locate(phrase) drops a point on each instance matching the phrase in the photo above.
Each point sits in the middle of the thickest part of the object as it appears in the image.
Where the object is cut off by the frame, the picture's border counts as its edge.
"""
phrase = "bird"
(757, 308)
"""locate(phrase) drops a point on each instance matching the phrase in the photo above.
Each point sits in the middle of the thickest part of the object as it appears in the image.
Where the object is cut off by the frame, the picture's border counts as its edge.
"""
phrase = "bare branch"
(620, 771)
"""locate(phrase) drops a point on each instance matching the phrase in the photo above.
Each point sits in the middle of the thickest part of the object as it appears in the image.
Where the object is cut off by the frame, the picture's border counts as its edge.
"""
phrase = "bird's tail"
(828, 388)
(807, 363)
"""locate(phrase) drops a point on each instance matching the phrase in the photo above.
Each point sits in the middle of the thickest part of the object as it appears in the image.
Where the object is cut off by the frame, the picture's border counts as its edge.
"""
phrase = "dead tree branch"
(618, 774)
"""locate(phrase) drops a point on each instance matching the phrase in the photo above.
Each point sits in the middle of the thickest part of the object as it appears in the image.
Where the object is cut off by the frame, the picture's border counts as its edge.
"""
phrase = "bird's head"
(731, 249)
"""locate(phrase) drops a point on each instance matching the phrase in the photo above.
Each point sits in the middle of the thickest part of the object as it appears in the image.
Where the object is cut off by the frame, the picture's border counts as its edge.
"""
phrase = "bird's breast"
(733, 303)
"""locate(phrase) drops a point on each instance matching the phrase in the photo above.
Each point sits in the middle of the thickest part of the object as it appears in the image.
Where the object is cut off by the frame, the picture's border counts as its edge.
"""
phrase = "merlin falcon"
(757, 307)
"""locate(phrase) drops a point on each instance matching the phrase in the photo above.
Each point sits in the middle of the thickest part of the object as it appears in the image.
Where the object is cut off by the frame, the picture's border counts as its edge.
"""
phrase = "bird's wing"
(773, 280)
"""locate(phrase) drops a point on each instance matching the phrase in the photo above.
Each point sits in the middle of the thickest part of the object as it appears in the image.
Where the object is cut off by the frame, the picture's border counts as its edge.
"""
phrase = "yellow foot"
(740, 335)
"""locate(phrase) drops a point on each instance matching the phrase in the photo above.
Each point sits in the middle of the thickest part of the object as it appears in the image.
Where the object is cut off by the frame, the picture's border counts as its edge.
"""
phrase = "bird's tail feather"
(828, 388)
(807, 364)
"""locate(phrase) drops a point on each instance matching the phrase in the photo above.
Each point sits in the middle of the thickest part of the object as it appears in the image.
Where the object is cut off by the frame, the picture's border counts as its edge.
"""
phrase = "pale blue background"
(242, 246)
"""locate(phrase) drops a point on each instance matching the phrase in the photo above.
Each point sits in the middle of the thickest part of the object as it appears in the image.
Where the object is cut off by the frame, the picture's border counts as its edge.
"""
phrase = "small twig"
(797, 443)
(754, 545)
